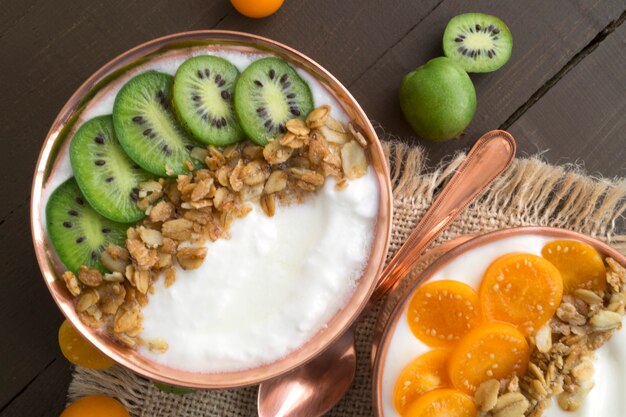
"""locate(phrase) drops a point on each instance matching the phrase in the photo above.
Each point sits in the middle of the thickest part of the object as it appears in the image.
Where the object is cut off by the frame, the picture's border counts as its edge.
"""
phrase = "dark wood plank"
(44, 396)
(28, 314)
(584, 114)
(546, 36)
(346, 37)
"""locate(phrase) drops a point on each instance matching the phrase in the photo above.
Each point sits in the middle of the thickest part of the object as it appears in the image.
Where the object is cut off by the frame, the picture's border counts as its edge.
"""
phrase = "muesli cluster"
(184, 213)
(561, 362)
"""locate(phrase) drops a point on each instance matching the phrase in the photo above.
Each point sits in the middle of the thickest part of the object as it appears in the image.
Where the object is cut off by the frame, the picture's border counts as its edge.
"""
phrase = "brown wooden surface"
(564, 90)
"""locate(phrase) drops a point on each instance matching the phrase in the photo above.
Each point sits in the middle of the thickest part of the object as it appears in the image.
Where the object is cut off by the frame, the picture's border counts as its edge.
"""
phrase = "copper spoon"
(315, 387)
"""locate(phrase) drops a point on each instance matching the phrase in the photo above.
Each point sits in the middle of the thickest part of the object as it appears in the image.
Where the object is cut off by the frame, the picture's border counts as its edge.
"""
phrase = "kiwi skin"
(180, 101)
(76, 231)
(438, 99)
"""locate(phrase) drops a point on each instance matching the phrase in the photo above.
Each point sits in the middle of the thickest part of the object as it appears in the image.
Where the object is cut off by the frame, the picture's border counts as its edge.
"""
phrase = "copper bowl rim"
(117, 67)
(386, 327)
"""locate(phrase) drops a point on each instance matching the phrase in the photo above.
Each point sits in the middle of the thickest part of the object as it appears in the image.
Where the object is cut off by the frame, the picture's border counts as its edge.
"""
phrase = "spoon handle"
(489, 157)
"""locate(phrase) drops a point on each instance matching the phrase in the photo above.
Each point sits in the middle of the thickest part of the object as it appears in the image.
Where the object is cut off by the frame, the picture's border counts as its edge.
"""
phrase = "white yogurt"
(275, 283)
(269, 288)
(605, 399)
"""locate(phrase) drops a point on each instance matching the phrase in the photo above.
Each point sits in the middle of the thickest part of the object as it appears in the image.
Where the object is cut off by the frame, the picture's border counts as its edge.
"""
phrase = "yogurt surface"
(605, 399)
(269, 288)
(276, 282)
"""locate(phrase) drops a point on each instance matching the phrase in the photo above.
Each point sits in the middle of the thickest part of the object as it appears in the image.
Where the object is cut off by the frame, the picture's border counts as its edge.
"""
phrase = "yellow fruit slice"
(442, 403)
(442, 312)
(493, 350)
(426, 373)
(522, 289)
(579, 264)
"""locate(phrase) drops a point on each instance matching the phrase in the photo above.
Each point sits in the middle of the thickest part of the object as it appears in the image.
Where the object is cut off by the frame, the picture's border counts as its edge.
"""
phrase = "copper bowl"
(395, 305)
(113, 73)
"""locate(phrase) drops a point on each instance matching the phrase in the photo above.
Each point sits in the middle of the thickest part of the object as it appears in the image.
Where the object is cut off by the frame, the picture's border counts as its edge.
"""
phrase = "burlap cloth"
(531, 192)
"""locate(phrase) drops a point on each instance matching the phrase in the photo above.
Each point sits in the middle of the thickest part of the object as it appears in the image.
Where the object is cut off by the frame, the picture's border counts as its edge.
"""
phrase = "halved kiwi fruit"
(269, 93)
(203, 99)
(105, 174)
(77, 232)
(147, 128)
(478, 42)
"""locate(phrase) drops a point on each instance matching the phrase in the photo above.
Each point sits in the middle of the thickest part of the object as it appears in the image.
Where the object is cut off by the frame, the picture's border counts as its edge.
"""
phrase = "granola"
(185, 212)
(561, 362)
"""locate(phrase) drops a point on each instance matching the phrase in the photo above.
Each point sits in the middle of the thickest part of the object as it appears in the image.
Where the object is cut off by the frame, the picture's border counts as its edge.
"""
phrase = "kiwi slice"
(267, 94)
(107, 177)
(203, 99)
(77, 232)
(478, 42)
(146, 127)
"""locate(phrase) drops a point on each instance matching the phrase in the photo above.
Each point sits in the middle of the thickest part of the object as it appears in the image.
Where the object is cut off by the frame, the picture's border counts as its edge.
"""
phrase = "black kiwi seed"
(200, 74)
(209, 121)
(478, 42)
(268, 94)
(75, 238)
(138, 119)
(100, 162)
(106, 230)
(99, 139)
(109, 179)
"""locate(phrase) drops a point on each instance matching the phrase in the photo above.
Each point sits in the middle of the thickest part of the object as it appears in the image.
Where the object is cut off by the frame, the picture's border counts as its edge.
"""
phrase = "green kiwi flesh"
(203, 99)
(77, 232)
(147, 128)
(107, 177)
(268, 93)
(478, 42)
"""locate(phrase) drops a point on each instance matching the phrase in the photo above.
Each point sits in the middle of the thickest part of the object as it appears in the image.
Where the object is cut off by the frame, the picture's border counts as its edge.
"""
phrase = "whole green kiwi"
(438, 99)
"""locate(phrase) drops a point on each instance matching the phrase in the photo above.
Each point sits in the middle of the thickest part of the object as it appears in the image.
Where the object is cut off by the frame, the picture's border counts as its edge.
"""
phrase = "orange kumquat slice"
(442, 403)
(493, 350)
(425, 373)
(522, 289)
(442, 312)
(579, 264)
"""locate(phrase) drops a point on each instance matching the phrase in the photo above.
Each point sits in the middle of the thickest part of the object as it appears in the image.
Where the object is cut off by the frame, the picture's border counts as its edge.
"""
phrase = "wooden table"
(563, 92)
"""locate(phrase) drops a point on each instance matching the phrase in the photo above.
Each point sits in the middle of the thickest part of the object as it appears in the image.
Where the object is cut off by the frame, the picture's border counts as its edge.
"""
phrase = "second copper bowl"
(401, 294)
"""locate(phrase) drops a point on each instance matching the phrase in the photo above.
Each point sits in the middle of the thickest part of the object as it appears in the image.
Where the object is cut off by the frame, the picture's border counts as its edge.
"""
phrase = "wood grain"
(546, 36)
(584, 114)
(45, 395)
